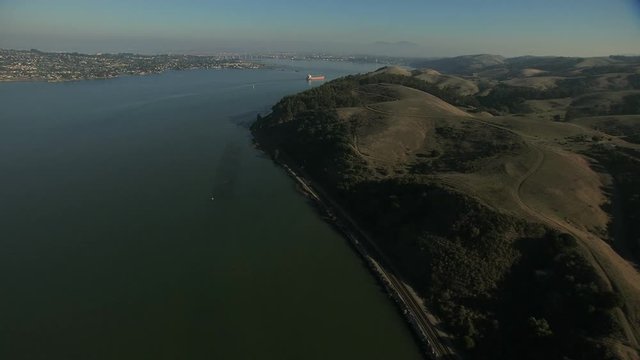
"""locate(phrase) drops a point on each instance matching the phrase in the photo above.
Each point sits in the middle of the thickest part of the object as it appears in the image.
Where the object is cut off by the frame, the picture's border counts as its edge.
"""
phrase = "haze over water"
(111, 247)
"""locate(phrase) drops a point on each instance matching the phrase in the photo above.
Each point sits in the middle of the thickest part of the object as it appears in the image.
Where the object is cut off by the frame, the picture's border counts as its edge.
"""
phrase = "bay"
(112, 248)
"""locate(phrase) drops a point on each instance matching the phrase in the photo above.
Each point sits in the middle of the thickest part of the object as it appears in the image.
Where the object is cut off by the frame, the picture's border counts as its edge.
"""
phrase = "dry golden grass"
(531, 72)
(548, 109)
(552, 131)
(396, 140)
(537, 82)
(417, 103)
(594, 61)
(542, 181)
(566, 188)
(562, 191)
(611, 82)
(598, 102)
(394, 70)
(460, 85)
(494, 184)
(623, 127)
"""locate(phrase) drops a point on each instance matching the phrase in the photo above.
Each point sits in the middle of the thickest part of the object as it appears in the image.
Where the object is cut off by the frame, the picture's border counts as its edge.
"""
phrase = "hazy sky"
(425, 28)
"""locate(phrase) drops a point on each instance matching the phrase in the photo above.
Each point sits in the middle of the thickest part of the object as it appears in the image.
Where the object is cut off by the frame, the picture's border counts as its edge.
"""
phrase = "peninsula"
(504, 192)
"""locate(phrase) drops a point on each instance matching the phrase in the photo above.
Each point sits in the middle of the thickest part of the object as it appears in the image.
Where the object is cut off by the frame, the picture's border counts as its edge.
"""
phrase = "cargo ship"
(314, 77)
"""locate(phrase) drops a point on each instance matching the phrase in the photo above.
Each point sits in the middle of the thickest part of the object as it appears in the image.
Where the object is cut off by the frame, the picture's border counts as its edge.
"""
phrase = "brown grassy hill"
(626, 127)
(393, 70)
(462, 86)
(612, 82)
(537, 82)
(413, 102)
(455, 199)
(596, 61)
(603, 103)
(466, 64)
(405, 130)
(551, 109)
(527, 72)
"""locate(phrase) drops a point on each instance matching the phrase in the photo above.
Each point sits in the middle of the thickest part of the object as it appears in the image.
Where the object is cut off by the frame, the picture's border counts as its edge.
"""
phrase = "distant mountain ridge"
(471, 64)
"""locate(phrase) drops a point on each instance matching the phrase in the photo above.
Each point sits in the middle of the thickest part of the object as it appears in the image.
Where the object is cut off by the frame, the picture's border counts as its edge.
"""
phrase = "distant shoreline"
(44, 80)
(34, 65)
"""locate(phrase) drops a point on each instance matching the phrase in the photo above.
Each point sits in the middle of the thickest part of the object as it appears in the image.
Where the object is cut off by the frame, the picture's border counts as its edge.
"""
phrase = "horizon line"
(303, 52)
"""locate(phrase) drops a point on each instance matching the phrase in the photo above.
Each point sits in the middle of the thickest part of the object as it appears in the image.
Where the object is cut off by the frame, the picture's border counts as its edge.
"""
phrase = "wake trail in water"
(227, 171)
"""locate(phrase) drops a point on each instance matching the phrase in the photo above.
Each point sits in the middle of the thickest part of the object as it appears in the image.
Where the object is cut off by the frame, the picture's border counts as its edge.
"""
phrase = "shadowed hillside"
(496, 211)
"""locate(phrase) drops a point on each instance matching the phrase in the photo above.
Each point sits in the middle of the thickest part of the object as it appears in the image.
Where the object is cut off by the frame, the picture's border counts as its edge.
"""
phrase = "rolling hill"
(517, 229)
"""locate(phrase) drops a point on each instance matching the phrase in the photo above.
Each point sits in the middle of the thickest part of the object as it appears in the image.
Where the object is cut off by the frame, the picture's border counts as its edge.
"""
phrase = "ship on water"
(314, 77)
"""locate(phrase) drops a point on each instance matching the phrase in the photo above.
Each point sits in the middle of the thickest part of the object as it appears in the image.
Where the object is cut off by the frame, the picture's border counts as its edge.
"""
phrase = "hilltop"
(505, 190)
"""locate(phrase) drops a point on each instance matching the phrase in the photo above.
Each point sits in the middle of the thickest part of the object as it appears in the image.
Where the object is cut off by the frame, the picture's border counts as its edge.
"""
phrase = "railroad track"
(425, 328)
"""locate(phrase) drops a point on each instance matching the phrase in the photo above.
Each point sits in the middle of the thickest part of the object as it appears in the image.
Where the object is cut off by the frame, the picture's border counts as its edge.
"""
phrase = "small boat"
(314, 77)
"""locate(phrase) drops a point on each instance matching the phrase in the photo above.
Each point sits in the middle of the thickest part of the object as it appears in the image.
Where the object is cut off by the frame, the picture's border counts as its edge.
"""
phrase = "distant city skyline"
(412, 28)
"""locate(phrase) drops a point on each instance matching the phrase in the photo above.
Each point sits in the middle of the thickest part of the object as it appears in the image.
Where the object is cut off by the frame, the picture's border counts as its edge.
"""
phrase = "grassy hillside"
(626, 127)
(501, 224)
(460, 85)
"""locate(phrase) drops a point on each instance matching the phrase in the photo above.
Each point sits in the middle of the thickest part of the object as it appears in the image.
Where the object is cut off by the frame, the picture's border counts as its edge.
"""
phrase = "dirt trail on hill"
(620, 276)
(599, 253)
(604, 259)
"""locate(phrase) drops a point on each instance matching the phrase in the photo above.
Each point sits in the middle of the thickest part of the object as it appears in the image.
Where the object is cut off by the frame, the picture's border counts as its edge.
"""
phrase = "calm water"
(110, 247)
